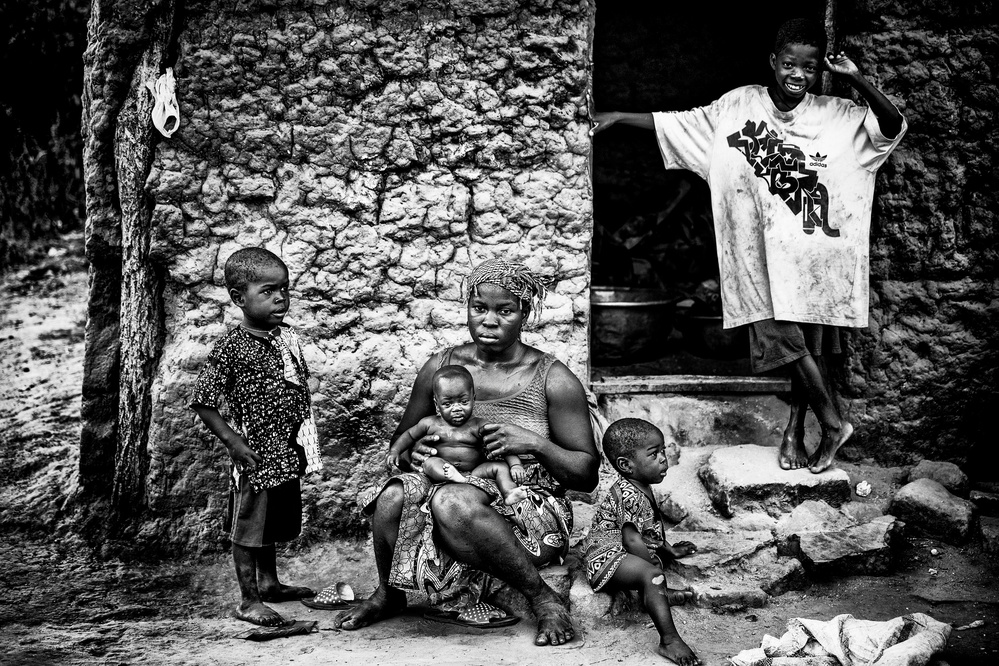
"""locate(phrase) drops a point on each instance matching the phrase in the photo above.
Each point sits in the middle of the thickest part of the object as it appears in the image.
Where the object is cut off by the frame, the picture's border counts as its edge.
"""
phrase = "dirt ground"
(61, 605)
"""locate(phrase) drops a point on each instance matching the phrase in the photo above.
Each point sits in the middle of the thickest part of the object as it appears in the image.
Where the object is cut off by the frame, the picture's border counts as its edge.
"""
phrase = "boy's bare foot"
(381, 605)
(286, 593)
(792, 451)
(680, 549)
(678, 651)
(518, 494)
(258, 613)
(832, 439)
(554, 621)
(678, 597)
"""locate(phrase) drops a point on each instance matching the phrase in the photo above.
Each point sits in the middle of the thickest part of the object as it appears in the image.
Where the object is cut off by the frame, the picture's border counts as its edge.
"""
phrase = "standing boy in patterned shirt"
(258, 370)
(792, 188)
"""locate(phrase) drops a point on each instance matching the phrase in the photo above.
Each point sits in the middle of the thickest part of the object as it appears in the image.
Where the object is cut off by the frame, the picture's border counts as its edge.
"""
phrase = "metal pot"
(704, 336)
(628, 325)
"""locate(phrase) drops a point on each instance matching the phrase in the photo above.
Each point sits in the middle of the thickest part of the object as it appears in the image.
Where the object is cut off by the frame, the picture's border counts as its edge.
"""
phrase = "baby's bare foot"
(518, 494)
(452, 474)
(832, 440)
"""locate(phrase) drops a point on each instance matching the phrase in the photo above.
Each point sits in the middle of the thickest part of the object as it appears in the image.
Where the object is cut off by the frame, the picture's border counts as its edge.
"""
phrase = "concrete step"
(748, 478)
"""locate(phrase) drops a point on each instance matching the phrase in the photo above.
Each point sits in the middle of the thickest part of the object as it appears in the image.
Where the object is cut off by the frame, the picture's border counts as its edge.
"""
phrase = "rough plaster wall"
(381, 150)
(924, 376)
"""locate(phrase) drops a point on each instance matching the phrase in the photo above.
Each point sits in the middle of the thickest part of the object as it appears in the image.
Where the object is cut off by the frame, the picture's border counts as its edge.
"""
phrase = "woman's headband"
(515, 277)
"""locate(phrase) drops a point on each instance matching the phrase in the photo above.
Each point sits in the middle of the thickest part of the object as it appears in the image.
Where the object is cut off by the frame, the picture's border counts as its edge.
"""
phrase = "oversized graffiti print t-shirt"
(791, 194)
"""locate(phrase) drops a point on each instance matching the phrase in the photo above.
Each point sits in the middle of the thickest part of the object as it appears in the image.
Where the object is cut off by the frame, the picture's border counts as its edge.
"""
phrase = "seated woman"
(535, 409)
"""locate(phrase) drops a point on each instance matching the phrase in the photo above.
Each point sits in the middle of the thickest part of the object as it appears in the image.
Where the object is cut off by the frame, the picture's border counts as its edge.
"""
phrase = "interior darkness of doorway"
(653, 228)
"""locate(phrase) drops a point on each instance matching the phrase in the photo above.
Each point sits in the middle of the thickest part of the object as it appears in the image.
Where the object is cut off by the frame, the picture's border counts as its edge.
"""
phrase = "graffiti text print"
(784, 167)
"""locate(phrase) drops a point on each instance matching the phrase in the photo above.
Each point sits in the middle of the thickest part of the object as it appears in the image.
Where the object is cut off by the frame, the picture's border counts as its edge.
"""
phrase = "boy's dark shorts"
(254, 520)
(776, 343)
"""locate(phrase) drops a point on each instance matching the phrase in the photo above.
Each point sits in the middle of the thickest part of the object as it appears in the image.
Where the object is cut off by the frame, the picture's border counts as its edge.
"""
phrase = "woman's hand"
(505, 439)
(422, 450)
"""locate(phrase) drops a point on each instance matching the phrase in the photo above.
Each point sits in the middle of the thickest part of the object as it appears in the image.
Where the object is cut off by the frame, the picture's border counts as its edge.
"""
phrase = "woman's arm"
(570, 456)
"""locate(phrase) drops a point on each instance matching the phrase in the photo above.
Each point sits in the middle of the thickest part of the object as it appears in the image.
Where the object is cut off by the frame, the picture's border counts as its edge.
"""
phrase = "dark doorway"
(653, 228)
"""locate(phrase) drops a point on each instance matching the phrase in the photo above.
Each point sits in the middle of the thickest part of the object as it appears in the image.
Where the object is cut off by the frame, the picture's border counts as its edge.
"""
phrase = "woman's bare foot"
(518, 494)
(257, 613)
(381, 605)
(554, 621)
(792, 450)
(678, 651)
(286, 593)
(832, 440)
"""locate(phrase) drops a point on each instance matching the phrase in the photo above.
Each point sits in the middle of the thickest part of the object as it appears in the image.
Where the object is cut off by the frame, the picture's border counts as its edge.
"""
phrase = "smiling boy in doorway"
(783, 164)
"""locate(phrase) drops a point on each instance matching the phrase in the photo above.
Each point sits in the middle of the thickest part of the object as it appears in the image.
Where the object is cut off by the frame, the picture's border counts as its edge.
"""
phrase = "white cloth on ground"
(910, 640)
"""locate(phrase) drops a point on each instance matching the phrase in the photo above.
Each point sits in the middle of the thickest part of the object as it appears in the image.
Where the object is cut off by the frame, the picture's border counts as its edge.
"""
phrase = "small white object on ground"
(971, 625)
(863, 489)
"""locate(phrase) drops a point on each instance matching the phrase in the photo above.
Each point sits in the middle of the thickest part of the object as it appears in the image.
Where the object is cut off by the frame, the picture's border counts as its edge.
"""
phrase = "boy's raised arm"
(604, 119)
(889, 119)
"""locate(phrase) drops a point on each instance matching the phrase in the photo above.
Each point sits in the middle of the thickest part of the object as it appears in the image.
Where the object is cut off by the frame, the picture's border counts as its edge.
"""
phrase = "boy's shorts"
(776, 343)
(254, 520)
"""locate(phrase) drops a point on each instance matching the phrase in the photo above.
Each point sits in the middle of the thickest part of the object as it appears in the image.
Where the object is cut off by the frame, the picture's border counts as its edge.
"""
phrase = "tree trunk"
(128, 46)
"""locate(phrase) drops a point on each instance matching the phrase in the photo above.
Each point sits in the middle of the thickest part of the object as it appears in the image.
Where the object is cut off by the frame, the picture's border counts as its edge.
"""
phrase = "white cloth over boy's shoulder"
(791, 195)
(288, 342)
(910, 640)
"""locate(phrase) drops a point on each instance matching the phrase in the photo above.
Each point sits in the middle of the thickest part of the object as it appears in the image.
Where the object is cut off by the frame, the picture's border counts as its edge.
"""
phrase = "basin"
(704, 336)
(629, 325)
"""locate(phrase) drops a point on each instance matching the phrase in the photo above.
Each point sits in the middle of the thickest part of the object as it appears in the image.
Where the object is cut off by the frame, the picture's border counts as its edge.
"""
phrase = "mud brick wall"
(382, 149)
(923, 377)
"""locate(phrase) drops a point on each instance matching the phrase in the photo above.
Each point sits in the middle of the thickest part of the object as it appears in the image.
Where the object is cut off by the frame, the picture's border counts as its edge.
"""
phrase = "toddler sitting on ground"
(627, 547)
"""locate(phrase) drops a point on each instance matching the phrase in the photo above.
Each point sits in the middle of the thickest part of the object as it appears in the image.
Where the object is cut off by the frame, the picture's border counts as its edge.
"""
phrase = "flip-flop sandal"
(479, 616)
(269, 633)
(335, 597)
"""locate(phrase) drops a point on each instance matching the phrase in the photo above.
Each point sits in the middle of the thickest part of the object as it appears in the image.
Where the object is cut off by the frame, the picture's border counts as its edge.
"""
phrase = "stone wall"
(923, 377)
(382, 149)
